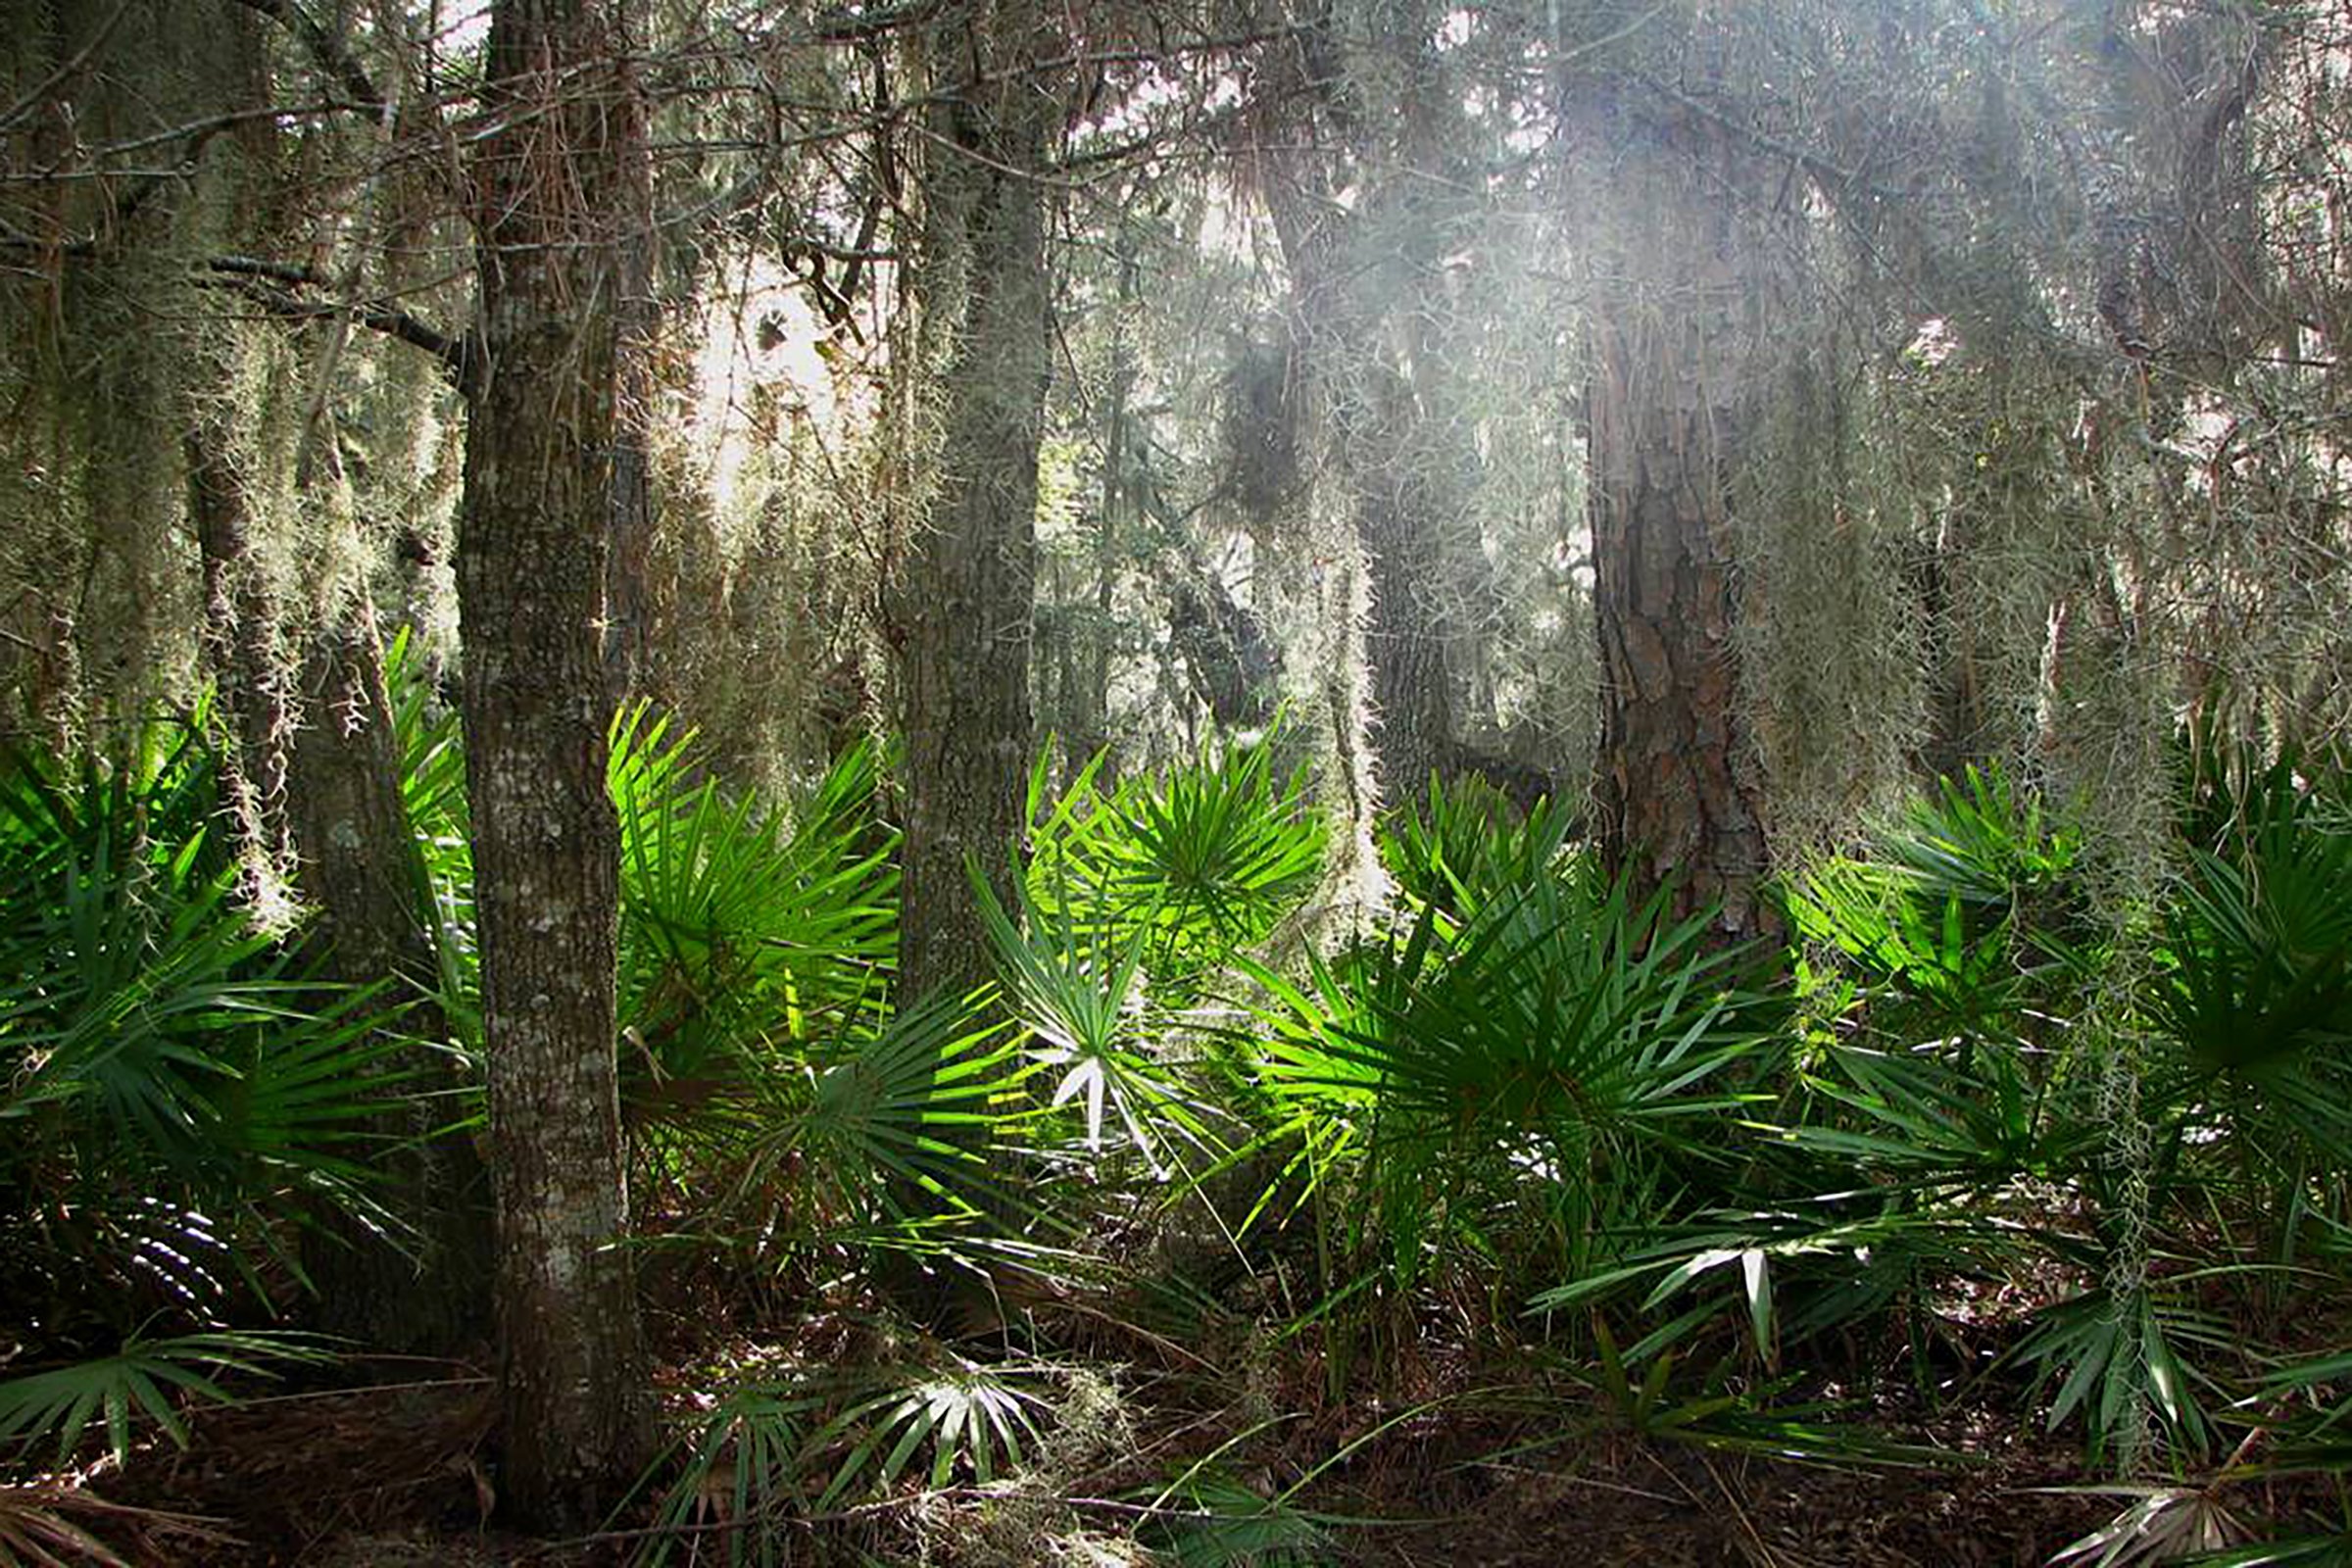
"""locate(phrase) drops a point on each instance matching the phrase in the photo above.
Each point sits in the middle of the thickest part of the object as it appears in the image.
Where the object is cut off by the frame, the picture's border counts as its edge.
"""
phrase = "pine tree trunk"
(1671, 400)
(550, 219)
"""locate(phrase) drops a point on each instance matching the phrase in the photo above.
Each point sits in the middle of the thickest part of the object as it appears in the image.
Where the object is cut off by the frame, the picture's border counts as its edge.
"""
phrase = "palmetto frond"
(144, 1380)
(744, 927)
(1559, 1050)
(1074, 979)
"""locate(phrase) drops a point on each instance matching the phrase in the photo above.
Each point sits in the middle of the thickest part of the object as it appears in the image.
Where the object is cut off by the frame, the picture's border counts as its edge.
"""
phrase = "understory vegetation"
(1225, 1199)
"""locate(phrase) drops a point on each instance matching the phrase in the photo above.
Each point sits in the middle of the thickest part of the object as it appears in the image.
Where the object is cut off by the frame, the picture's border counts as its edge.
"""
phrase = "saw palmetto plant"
(175, 1077)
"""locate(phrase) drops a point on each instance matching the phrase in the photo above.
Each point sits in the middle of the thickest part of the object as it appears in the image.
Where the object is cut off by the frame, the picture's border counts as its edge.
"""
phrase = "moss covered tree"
(956, 611)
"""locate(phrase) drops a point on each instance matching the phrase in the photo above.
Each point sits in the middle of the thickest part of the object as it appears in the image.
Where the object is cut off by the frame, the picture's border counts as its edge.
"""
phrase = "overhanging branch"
(277, 287)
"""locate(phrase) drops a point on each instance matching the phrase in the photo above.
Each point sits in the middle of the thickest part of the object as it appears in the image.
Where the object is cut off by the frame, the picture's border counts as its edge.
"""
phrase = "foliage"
(909, 1098)
(1559, 1063)
(745, 929)
(432, 786)
(1463, 846)
(1077, 987)
(1209, 1518)
(1192, 862)
(1958, 963)
(776, 1435)
(139, 1381)
(174, 1078)
(2028, 437)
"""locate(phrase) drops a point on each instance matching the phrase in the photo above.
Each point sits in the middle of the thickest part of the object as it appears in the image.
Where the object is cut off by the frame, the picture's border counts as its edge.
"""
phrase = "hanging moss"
(1829, 639)
(1257, 427)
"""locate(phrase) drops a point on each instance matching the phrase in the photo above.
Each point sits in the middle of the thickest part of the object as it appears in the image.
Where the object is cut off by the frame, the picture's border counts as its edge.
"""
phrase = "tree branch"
(272, 285)
(332, 58)
(64, 72)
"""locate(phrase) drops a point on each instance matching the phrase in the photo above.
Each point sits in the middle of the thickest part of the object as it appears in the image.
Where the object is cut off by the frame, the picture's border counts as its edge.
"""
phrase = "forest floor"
(394, 1476)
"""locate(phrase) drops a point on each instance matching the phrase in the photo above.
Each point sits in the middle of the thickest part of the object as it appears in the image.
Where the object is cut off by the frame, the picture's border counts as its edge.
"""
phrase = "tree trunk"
(1090, 720)
(240, 632)
(630, 632)
(1364, 273)
(1229, 662)
(1412, 690)
(1672, 399)
(960, 608)
(357, 865)
(550, 191)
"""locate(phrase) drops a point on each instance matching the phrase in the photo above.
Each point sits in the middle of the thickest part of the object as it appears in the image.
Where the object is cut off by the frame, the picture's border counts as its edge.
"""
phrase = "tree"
(552, 192)
(1669, 401)
(957, 611)
(1364, 277)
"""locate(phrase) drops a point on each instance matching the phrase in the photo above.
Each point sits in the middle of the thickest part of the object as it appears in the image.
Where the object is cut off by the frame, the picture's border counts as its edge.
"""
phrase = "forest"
(1208, 783)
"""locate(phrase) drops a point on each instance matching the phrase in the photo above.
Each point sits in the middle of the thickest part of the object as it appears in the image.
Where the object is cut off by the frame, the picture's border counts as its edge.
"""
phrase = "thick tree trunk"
(549, 217)
(1672, 399)
(960, 608)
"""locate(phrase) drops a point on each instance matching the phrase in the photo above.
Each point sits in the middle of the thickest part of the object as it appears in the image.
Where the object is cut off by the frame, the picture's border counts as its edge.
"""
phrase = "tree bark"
(1672, 393)
(240, 628)
(357, 865)
(958, 611)
(550, 192)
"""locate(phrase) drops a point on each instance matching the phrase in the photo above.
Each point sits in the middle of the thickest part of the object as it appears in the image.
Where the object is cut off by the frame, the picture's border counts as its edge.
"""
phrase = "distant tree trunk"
(240, 631)
(1412, 691)
(1090, 713)
(313, 769)
(1671, 403)
(356, 866)
(1376, 440)
(242, 617)
(551, 192)
(1958, 731)
(960, 608)
(630, 632)
(1363, 275)
(1231, 664)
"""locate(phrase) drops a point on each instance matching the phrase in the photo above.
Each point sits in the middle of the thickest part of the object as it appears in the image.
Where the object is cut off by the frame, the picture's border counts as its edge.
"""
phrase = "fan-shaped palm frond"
(1466, 845)
(1557, 1054)
(167, 1060)
(779, 1435)
(740, 924)
(1208, 1518)
(1199, 859)
(139, 1382)
(889, 1107)
(1074, 979)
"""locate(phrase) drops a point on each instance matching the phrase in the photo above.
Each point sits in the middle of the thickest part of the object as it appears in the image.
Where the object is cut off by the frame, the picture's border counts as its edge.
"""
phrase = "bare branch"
(333, 59)
(273, 284)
